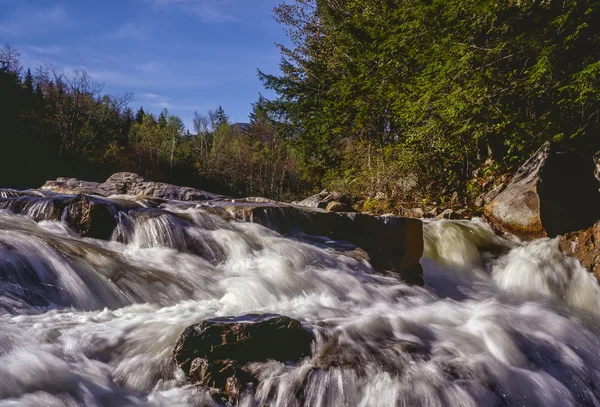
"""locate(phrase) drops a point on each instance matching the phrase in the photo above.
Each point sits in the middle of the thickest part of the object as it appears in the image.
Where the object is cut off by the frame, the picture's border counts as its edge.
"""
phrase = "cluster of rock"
(330, 201)
(127, 183)
(555, 193)
(93, 209)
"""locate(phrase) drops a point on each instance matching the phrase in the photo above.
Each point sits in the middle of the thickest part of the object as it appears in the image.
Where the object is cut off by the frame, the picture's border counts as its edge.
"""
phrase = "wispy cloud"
(148, 67)
(130, 31)
(29, 20)
(46, 50)
(155, 101)
(210, 11)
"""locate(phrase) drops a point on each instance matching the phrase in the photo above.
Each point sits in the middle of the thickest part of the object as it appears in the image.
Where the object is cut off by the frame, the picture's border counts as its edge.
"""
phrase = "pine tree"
(221, 117)
(139, 116)
(29, 81)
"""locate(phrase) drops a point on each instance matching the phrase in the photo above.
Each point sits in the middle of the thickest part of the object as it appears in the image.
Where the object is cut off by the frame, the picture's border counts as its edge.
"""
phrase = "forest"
(398, 101)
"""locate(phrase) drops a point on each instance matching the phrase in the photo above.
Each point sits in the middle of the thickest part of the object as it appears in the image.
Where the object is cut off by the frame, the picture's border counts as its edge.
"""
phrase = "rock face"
(213, 353)
(584, 245)
(553, 193)
(127, 183)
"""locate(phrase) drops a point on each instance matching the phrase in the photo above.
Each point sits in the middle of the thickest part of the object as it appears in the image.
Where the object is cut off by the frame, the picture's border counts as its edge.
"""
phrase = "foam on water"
(88, 322)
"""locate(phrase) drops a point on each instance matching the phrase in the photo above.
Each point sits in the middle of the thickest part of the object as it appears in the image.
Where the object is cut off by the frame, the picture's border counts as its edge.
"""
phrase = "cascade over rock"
(95, 217)
(553, 193)
(391, 243)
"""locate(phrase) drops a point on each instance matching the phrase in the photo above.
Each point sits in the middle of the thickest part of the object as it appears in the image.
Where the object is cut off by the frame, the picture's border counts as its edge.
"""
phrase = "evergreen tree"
(28, 82)
(139, 116)
(221, 117)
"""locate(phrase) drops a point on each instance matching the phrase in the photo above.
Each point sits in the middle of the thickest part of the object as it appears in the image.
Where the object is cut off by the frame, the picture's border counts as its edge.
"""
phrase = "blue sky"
(184, 55)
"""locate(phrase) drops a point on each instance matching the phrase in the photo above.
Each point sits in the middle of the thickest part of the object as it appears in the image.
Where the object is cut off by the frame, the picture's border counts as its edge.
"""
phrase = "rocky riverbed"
(131, 292)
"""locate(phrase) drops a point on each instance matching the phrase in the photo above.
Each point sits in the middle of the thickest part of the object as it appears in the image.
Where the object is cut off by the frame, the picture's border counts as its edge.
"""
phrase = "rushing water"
(90, 322)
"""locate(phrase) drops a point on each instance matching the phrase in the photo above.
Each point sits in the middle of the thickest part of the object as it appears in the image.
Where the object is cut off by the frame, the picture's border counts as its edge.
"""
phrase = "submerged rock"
(213, 353)
(553, 193)
(393, 243)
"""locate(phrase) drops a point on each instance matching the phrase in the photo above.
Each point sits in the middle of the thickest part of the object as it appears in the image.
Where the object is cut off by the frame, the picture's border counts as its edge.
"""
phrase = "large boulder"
(584, 245)
(553, 193)
(214, 353)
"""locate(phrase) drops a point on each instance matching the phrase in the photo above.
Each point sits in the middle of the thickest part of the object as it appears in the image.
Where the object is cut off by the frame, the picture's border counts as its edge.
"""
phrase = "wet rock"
(94, 217)
(225, 378)
(337, 206)
(393, 243)
(36, 207)
(391, 354)
(584, 245)
(213, 353)
(553, 193)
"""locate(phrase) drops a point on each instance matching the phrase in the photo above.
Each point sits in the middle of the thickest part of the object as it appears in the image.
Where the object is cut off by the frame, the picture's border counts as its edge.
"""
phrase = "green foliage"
(424, 91)
(56, 124)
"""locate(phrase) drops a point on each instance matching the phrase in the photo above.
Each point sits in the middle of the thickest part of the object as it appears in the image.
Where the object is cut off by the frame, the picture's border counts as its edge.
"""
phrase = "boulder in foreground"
(214, 353)
(553, 193)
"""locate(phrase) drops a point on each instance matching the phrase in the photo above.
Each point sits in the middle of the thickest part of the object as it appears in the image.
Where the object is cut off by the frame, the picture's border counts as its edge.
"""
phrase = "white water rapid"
(85, 322)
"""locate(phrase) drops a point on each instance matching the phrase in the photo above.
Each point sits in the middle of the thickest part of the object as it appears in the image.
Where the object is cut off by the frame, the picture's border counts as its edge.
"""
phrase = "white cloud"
(148, 67)
(130, 31)
(155, 101)
(46, 50)
(27, 20)
(210, 11)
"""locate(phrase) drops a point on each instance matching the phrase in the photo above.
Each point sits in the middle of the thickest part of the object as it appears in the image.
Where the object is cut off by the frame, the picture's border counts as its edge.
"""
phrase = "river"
(93, 322)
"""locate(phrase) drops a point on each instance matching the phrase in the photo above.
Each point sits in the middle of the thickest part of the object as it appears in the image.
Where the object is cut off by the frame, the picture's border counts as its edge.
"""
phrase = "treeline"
(402, 101)
(406, 99)
(55, 123)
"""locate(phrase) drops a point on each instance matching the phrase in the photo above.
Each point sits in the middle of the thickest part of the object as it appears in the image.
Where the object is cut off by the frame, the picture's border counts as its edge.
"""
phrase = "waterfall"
(85, 321)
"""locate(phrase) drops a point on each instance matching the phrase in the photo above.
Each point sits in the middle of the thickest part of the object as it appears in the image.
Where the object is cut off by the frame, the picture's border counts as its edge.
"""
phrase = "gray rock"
(553, 193)
(127, 183)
